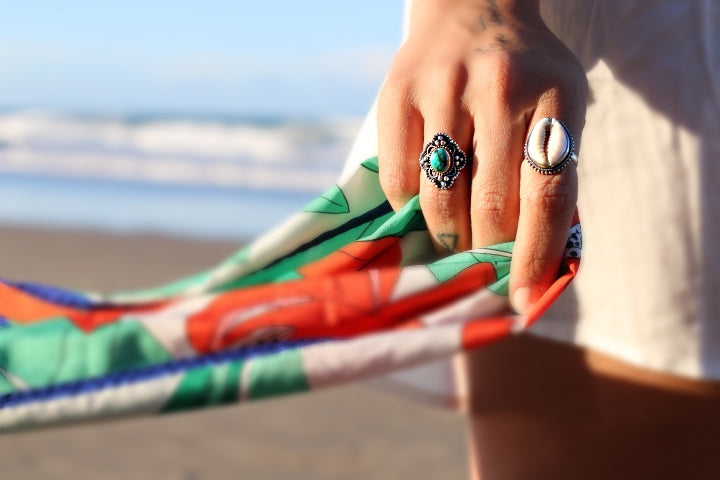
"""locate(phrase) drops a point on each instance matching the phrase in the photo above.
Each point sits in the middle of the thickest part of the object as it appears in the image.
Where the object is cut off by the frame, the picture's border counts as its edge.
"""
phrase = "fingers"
(404, 128)
(400, 140)
(495, 202)
(447, 211)
(547, 205)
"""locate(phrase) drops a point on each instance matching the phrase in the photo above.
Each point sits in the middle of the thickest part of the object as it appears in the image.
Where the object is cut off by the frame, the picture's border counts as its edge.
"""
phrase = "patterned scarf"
(343, 290)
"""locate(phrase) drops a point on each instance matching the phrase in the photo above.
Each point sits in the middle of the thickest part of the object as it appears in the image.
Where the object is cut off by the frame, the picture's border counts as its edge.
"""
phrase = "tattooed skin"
(494, 12)
(500, 43)
(448, 241)
(490, 17)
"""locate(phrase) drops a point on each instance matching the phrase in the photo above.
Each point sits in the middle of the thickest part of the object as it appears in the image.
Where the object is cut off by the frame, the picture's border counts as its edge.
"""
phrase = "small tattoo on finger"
(448, 241)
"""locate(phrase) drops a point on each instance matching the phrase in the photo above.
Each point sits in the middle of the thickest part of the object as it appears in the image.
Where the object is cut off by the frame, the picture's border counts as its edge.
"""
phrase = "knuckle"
(439, 203)
(504, 68)
(396, 91)
(451, 77)
(506, 93)
(569, 93)
(492, 207)
(395, 185)
(499, 64)
(442, 86)
(555, 197)
(403, 67)
(499, 74)
(398, 85)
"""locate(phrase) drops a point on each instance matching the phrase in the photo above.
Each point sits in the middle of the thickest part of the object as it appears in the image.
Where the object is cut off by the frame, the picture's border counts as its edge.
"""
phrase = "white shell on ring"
(549, 143)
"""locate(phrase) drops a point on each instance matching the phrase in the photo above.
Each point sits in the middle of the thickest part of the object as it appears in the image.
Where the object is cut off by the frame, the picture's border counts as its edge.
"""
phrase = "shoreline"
(98, 260)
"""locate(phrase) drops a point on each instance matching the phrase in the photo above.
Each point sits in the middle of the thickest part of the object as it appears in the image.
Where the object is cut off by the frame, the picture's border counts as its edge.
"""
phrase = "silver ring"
(442, 159)
(550, 147)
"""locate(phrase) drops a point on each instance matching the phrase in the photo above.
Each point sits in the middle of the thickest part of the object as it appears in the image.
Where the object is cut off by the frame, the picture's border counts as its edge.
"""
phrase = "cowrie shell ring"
(550, 147)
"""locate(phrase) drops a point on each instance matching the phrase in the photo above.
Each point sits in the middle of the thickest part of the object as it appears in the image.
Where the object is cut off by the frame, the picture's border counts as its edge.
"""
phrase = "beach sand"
(351, 432)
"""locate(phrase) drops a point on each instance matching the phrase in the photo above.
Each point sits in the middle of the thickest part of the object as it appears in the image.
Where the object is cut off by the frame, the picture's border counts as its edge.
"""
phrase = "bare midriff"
(541, 409)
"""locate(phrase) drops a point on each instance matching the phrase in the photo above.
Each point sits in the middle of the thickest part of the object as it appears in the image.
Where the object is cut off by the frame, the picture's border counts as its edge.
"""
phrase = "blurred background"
(161, 115)
(142, 141)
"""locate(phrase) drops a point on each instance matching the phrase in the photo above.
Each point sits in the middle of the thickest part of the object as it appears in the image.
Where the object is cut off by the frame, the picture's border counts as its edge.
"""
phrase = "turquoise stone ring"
(442, 159)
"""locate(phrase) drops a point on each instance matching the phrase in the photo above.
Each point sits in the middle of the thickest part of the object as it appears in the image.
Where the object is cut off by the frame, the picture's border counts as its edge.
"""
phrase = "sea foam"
(300, 155)
(199, 176)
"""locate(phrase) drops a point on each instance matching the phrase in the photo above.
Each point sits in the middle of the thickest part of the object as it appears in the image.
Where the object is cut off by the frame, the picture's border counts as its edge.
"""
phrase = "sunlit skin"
(484, 71)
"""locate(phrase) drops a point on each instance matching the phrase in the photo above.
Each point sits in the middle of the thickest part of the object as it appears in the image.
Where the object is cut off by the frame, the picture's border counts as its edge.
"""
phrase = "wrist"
(476, 15)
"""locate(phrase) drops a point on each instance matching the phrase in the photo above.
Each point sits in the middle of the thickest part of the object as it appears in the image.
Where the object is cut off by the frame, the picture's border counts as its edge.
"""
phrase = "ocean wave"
(303, 155)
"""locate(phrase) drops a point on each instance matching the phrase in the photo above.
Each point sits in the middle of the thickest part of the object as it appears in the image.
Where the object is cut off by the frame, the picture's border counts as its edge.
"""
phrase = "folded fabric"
(345, 289)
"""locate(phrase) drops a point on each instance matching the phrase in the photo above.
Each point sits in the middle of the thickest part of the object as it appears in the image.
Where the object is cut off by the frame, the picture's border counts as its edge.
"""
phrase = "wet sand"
(352, 432)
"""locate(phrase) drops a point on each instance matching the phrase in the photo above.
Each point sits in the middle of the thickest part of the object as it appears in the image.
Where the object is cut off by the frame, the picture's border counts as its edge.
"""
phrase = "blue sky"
(319, 57)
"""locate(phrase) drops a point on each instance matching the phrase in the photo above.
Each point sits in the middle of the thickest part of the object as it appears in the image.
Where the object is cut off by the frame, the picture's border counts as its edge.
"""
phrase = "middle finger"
(447, 210)
(495, 202)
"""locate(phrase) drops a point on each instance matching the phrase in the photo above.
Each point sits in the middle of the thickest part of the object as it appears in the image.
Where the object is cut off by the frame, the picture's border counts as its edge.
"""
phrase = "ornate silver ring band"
(442, 159)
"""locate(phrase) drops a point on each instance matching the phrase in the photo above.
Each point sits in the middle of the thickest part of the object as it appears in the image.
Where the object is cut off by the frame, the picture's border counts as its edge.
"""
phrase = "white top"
(648, 291)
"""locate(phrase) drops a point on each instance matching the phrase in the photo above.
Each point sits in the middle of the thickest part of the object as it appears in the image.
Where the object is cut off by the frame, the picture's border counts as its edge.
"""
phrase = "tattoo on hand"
(500, 43)
(448, 241)
(495, 16)
(492, 17)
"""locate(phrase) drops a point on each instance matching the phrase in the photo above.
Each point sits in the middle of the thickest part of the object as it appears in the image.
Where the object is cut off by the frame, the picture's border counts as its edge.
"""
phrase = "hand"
(484, 71)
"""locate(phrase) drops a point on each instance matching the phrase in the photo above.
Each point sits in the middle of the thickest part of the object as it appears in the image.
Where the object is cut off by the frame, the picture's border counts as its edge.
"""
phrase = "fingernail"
(522, 300)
